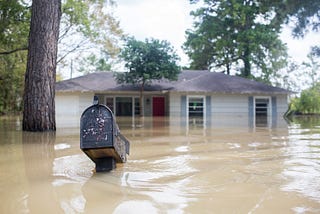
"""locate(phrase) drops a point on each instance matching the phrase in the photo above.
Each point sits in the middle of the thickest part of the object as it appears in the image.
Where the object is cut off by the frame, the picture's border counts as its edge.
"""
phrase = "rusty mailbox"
(100, 137)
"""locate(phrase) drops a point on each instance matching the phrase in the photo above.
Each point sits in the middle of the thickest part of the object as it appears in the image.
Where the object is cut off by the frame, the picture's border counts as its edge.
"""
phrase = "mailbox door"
(96, 127)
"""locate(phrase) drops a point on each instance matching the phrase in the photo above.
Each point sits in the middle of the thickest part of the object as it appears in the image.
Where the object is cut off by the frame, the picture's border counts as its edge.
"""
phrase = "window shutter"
(274, 111)
(208, 111)
(183, 111)
(250, 111)
(274, 106)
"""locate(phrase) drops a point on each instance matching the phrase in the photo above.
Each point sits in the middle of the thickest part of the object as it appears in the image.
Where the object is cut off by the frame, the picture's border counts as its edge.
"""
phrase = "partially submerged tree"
(147, 61)
(39, 92)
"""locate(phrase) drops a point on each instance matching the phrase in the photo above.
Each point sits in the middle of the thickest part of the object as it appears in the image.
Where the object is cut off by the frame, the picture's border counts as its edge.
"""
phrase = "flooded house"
(197, 98)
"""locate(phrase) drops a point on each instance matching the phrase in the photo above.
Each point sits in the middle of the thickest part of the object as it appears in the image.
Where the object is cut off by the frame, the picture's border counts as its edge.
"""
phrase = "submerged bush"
(308, 102)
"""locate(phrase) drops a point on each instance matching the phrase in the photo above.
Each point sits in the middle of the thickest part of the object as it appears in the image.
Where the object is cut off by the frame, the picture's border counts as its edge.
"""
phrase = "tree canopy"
(146, 61)
(308, 102)
(14, 29)
(235, 34)
(97, 32)
(244, 36)
(304, 15)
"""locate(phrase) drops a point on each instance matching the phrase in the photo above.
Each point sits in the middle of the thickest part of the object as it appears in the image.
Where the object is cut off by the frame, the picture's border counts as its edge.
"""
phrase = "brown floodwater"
(171, 169)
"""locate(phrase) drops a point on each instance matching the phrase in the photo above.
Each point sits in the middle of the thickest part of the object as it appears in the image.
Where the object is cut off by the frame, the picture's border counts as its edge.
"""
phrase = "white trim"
(204, 103)
(269, 109)
(203, 109)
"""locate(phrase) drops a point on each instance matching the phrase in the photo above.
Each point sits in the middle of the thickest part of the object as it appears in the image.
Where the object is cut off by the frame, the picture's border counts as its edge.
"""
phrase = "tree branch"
(72, 50)
(13, 51)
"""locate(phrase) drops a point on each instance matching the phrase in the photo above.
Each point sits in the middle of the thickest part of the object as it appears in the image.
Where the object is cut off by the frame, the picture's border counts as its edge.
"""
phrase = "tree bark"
(246, 61)
(141, 100)
(39, 92)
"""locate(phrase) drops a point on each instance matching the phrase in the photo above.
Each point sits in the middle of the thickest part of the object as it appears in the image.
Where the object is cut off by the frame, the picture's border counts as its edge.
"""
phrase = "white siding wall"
(67, 104)
(69, 108)
(175, 105)
(85, 100)
(226, 105)
(282, 105)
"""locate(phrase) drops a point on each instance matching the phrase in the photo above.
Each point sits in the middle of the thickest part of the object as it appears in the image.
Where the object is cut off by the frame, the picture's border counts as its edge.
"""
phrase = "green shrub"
(308, 102)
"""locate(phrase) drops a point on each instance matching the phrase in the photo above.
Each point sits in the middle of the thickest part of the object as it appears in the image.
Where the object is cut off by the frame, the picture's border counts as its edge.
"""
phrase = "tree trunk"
(141, 100)
(246, 61)
(39, 92)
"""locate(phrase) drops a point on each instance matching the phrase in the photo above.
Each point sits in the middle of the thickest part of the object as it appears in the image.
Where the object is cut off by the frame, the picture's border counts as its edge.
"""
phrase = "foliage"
(308, 102)
(11, 83)
(297, 77)
(147, 61)
(14, 26)
(304, 15)
(315, 51)
(92, 23)
(287, 77)
(311, 68)
(94, 64)
(14, 29)
(238, 35)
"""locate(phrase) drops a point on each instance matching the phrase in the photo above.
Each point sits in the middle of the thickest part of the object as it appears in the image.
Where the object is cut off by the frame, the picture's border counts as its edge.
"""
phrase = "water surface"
(170, 169)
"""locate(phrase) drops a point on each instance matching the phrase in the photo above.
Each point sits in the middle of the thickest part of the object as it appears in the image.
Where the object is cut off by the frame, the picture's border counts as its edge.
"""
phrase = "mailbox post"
(100, 137)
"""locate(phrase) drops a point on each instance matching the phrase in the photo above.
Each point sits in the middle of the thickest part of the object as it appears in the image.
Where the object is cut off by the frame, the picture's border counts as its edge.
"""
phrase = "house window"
(262, 111)
(262, 106)
(109, 103)
(136, 106)
(124, 106)
(196, 106)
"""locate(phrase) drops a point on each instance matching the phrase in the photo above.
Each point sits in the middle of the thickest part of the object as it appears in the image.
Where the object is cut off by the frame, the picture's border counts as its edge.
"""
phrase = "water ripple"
(303, 165)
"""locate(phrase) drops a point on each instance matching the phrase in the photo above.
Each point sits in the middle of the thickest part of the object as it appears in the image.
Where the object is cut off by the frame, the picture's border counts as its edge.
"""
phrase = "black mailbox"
(100, 137)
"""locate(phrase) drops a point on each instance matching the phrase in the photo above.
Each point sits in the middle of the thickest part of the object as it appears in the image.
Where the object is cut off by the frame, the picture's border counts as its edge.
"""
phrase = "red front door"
(158, 106)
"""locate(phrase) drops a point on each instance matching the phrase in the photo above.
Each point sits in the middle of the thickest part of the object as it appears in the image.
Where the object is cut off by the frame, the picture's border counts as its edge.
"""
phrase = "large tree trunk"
(39, 93)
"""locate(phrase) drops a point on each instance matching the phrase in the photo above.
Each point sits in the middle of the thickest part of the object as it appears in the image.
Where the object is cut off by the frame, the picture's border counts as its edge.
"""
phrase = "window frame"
(203, 104)
(269, 108)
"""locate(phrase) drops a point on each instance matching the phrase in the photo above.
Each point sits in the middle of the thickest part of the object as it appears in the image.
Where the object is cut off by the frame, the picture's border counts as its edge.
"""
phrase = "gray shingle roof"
(188, 81)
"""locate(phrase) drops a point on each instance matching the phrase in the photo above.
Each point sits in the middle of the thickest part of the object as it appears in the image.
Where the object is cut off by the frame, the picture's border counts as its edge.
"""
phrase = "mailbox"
(100, 137)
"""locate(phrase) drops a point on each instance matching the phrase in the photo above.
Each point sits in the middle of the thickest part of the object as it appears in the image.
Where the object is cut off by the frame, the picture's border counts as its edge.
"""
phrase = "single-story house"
(217, 98)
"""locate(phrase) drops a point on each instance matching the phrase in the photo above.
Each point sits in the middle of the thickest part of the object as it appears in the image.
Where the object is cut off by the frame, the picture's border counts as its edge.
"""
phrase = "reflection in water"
(38, 154)
(262, 121)
(171, 169)
(166, 185)
(303, 168)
